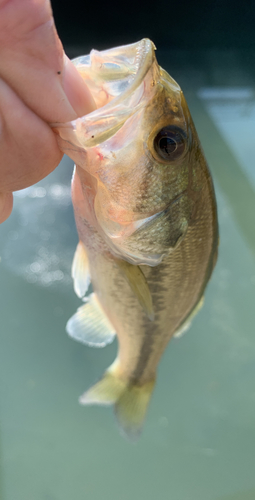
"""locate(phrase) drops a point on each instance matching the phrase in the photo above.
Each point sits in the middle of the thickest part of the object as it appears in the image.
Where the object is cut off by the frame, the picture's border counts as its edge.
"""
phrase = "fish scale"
(146, 216)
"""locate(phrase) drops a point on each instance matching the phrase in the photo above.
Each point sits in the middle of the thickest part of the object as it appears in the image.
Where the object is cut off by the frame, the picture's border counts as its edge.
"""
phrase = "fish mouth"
(119, 74)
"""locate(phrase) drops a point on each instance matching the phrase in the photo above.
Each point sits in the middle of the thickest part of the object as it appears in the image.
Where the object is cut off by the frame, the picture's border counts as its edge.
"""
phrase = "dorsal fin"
(90, 325)
(80, 271)
(138, 284)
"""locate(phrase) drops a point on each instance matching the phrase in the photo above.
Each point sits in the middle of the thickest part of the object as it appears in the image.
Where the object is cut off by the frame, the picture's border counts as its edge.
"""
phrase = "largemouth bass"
(146, 216)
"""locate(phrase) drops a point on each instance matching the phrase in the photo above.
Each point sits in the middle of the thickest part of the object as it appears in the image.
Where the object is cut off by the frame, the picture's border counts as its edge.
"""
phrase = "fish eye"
(170, 143)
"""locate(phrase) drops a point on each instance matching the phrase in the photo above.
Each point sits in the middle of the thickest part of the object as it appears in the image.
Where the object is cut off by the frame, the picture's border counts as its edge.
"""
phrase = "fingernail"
(76, 90)
(6, 203)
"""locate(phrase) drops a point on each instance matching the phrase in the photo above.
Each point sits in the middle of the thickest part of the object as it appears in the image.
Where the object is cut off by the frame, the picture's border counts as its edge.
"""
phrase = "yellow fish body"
(146, 216)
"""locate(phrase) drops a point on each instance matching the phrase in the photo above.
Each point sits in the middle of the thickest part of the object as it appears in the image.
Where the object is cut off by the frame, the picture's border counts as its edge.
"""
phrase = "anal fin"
(90, 325)
(80, 270)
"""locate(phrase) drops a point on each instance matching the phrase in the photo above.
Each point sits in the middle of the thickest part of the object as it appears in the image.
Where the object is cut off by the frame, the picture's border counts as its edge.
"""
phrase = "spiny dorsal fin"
(80, 270)
(90, 325)
(138, 284)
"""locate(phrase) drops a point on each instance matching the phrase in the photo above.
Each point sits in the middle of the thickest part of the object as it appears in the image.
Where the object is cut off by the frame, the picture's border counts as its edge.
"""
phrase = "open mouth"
(115, 78)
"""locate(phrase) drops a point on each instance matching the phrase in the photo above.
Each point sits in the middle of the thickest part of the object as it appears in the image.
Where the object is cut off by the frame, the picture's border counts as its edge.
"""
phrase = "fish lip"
(145, 55)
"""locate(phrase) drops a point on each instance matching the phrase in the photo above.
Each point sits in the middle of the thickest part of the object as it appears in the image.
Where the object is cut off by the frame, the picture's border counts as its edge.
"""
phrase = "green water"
(198, 442)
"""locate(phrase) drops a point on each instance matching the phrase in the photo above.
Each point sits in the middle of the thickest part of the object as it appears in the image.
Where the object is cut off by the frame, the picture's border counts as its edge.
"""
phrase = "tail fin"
(130, 401)
(131, 408)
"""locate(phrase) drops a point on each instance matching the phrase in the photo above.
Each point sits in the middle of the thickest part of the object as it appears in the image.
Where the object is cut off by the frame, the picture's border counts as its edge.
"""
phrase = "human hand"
(38, 85)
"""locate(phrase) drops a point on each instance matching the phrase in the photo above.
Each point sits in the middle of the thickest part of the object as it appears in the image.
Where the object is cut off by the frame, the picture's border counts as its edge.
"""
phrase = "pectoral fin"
(90, 325)
(138, 284)
(80, 271)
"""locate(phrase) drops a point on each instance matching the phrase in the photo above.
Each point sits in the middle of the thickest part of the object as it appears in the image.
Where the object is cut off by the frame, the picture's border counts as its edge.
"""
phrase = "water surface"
(198, 442)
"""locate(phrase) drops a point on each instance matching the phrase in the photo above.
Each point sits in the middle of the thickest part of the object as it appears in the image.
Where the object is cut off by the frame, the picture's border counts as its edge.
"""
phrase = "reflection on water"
(199, 438)
(38, 244)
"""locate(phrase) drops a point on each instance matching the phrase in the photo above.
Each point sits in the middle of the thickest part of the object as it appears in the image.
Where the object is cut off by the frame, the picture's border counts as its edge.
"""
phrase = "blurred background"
(222, 24)
(198, 441)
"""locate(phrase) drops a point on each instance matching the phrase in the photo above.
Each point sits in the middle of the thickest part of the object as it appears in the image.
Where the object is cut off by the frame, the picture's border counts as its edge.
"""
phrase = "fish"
(146, 216)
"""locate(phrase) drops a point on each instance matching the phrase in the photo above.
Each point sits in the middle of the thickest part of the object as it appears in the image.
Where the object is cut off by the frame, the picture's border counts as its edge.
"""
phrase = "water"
(199, 438)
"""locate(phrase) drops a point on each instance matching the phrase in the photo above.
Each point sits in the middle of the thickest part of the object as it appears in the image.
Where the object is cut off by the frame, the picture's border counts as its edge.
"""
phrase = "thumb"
(33, 64)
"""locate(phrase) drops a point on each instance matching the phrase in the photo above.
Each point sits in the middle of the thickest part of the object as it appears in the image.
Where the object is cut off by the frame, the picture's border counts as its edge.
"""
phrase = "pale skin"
(38, 85)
